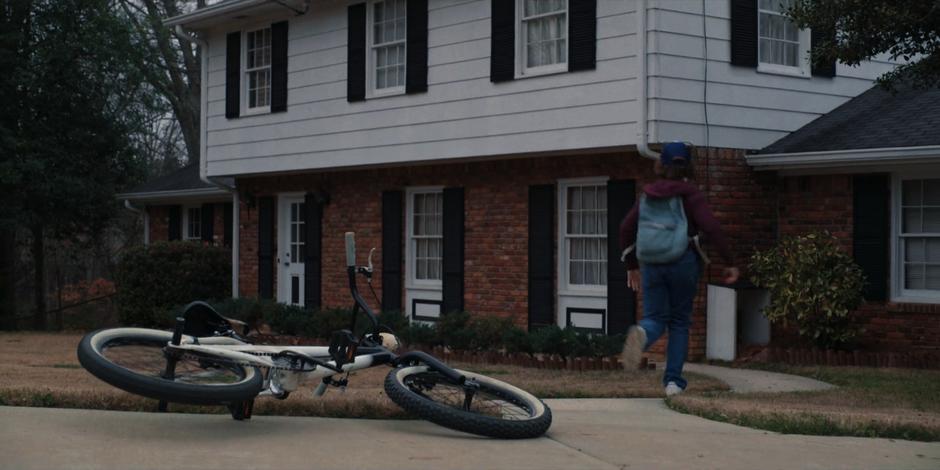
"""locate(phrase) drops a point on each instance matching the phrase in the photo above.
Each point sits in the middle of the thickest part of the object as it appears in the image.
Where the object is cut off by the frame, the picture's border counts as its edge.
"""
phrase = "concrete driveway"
(586, 434)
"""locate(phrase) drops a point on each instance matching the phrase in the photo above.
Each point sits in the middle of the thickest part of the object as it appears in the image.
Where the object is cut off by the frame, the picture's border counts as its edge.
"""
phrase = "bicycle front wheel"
(486, 406)
(133, 359)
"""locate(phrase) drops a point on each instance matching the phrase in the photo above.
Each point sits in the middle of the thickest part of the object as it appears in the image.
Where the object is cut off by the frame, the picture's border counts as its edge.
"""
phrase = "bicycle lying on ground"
(206, 361)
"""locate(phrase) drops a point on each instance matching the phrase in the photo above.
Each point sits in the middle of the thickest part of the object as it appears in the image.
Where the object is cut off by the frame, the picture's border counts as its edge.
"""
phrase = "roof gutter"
(211, 11)
(840, 158)
(642, 138)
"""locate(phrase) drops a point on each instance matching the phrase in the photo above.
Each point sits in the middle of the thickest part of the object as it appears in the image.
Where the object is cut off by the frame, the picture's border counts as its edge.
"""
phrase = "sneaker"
(672, 389)
(633, 348)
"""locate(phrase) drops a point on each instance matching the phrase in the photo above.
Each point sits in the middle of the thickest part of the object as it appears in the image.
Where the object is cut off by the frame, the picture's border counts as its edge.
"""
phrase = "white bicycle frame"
(260, 356)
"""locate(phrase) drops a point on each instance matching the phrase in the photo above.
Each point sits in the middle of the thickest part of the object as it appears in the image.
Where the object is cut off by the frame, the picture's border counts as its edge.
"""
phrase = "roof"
(876, 119)
(184, 182)
(229, 11)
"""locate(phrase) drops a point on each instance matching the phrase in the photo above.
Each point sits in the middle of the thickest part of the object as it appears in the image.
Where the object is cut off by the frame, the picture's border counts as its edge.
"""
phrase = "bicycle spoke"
(483, 401)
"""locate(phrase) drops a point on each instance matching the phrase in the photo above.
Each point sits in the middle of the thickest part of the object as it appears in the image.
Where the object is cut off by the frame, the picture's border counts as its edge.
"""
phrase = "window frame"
(522, 71)
(565, 287)
(246, 110)
(898, 292)
(410, 256)
(802, 70)
(371, 90)
(187, 220)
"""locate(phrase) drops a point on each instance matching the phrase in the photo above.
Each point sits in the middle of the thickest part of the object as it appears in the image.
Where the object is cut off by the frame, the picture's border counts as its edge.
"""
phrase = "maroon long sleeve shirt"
(700, 217)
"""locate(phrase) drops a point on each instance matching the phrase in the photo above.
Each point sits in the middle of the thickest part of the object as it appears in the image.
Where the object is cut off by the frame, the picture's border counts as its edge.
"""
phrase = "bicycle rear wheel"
(494, 408)
(133, 359)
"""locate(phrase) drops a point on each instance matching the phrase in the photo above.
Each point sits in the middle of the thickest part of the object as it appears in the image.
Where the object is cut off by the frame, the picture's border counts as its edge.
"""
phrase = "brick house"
(489, 148)
(180, 206)
(869, 172)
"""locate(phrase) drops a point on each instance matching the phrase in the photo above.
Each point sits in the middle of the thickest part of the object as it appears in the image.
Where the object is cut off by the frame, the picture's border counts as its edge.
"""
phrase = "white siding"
(461, 115)
(746, 109)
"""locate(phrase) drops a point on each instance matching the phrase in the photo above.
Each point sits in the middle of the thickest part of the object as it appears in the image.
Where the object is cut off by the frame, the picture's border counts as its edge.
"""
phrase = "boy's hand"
(633, 279)
(731, 275)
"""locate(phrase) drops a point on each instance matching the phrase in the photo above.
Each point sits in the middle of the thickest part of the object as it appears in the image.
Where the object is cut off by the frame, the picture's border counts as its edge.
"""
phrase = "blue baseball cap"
(675, 151)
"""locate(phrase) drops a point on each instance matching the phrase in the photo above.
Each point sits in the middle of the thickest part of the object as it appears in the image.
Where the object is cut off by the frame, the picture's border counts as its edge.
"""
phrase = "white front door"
(290, 284)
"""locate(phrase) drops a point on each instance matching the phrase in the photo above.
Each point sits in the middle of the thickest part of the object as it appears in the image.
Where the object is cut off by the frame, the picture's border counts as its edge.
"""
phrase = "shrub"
(151, 280)
(517, 340)
(813, 284)
(454, 331)
(420, 334)
(487, 332)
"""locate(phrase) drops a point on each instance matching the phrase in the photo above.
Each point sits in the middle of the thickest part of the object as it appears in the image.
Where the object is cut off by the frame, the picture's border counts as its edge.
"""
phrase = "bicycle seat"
(203, 320)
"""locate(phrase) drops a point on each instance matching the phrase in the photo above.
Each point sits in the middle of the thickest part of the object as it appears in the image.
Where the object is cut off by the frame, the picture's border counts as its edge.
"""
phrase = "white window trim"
(803, 70)
(410, 281)
(898, 293)
(521, 70)
(371, 91)
(185, 217)
(245, 110)
(564, 288)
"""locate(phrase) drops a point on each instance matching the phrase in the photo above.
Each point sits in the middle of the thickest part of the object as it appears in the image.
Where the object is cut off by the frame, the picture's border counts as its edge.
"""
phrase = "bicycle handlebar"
(351, 249)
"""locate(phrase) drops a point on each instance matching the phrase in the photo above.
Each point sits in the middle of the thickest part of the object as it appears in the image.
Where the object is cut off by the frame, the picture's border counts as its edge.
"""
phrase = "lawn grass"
(41, 369)
(869, 402)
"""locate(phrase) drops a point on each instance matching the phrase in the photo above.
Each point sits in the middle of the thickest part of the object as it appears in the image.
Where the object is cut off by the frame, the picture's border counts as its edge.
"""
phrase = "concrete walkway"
(586, 434)
(749, 380)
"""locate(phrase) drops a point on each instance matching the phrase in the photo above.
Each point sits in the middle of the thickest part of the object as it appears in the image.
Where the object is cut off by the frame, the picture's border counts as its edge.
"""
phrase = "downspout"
(130, 207)
(642, 138)
(203, 146)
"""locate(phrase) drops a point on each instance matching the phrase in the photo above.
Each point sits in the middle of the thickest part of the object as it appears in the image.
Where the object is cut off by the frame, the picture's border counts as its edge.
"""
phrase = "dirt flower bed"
(41, 369)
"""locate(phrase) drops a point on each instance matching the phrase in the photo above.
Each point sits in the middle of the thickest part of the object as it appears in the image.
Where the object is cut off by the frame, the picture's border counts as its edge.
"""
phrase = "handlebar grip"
(351, 249)
(320, 390)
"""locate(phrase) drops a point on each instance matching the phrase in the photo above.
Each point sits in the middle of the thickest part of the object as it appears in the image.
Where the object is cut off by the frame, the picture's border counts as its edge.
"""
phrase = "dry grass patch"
(41, 369)
(869, 402)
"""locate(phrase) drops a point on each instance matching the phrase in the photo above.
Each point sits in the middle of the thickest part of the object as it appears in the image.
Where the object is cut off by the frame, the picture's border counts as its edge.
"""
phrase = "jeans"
(668, 292)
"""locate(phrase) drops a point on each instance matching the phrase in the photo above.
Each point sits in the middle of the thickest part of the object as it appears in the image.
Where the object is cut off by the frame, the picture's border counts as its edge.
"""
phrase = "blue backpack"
(663, 230)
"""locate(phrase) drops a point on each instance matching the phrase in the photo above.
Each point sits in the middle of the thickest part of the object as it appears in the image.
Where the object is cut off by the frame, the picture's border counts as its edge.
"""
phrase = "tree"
(908, 30)
(72, 102)
(170, 65)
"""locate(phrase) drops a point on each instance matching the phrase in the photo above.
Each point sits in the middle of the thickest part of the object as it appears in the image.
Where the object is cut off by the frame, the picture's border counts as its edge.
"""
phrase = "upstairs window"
(388, 45)
(258, 70)
(782, 47)
(543, 33)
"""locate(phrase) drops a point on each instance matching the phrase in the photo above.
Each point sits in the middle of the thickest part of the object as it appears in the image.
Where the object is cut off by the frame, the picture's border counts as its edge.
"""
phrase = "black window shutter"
(541, 255)
(744, 33)
(452, 291)
(279, 67)
(870, 239)
(582, 34)
(621, 300)
(174, 224)
(313, 252)
(233, 56)
(266, 247)
(391, 250)
(416, 80)
(229, 224)
(824, 67)
(503, 41)
(207, 220)
(356, 54)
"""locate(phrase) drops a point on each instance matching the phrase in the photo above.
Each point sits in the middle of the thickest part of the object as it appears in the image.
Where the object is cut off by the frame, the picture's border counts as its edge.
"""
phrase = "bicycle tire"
(407, 388)
(96, 347)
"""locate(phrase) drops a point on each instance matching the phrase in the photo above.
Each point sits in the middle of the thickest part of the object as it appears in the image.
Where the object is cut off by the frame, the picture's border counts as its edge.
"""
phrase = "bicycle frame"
(366, 353)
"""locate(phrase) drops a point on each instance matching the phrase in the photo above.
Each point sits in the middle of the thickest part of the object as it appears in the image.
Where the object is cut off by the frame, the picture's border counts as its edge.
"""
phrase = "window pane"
(933, 278)
(914, 250)
(589, 223)
(933, 250)
(931, 220)
(576, 273)
(911, 193)
(911, 220)
(914, 276)
(932, 192)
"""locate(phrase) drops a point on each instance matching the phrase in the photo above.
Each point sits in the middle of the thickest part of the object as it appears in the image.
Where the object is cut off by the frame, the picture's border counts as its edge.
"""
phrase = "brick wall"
(496, 212)
(824, 202)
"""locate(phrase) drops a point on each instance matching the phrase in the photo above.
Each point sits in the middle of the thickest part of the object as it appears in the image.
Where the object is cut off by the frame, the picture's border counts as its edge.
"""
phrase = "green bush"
(454, 331)
(517, 340)
(152, 280)
(813, 284)
(420, 334)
